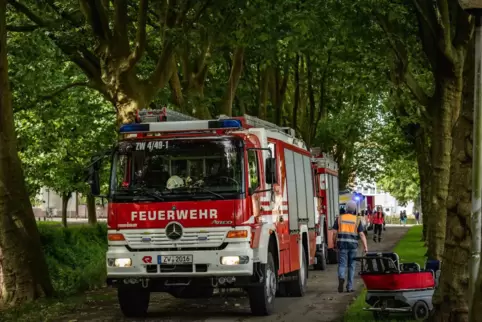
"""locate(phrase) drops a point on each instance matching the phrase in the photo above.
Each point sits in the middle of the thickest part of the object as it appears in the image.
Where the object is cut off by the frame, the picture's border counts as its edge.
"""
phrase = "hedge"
(75, 256)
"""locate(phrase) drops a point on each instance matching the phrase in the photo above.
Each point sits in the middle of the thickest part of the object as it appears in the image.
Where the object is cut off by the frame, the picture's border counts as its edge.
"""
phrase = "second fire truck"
(196, 205)
(326, 187)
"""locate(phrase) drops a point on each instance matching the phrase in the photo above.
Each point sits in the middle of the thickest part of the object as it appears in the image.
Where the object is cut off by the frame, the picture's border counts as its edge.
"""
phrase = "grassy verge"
(409, 249)
(76, 260)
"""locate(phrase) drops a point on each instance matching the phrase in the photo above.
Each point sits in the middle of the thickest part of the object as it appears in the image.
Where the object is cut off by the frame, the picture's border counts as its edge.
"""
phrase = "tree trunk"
(424, 170)
(65, 202)
(176, 89)
(450, 90)
(263, 93)
(278, 86)
(450, 299)
(91, 209)
(22, 261)
(234, 76)
(296, 103)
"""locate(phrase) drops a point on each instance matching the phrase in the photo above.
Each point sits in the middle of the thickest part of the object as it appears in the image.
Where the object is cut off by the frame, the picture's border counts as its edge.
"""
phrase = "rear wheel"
(332, 256)
(133, 300)
(298, 287)
(321, 258)
(421, 311)
(261, 298)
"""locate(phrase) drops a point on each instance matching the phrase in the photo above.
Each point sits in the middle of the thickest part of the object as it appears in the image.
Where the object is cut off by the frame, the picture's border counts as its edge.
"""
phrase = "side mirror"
(270, 169)
(94, 181)
(94, 177)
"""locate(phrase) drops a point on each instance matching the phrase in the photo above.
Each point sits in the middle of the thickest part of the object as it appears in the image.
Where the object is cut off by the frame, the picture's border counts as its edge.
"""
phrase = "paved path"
(322, 302)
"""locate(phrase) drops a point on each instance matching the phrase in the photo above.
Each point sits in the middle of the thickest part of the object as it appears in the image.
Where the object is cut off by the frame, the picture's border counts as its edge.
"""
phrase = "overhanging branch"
(141, 39)
(404, 65)
(26, 28)
(55, 93)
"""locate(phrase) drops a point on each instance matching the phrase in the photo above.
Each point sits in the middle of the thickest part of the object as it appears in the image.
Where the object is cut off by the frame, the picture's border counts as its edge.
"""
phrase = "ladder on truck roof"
(254, 121)
(162, 115)
(247, 121)
(250, 121)
(323, 159)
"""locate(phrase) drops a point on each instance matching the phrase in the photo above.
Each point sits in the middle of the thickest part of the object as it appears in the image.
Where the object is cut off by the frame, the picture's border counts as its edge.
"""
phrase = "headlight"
(234, 260)
(119, 262)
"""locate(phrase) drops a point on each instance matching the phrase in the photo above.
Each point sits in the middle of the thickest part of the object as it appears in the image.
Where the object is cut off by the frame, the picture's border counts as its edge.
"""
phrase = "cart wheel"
(420, 311)
(380, 316)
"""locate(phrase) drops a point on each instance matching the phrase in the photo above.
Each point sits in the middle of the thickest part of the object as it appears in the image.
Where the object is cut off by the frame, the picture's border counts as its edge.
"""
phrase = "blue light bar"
(129, 128)
(231, 123)
(225, 124)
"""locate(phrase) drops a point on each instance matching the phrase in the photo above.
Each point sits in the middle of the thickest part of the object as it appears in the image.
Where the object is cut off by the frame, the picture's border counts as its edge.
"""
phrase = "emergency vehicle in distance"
(326, 183)
(196, 205)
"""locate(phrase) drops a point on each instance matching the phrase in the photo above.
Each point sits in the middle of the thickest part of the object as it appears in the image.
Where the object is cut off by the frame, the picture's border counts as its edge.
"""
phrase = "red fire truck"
(326, 183)
(196, 205)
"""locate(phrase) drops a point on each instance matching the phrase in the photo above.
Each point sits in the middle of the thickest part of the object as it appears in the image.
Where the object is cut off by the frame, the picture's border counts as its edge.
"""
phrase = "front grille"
(189, 239)
(176, 268)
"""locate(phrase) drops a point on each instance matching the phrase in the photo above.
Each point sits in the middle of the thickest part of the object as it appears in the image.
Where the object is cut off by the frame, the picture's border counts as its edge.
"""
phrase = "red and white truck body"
(326, 183)
(200, 204)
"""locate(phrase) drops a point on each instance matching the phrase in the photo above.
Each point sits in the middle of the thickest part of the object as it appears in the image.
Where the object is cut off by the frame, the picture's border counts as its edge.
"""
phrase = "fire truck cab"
(326, 182)
(198, 205)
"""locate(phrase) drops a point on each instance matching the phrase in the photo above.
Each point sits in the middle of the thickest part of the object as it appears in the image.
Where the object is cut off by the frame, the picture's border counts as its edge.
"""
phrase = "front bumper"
(206, 263)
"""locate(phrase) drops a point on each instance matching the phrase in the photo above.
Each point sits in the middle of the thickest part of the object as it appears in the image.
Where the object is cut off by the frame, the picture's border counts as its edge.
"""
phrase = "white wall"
(50, 198)
(383, 198)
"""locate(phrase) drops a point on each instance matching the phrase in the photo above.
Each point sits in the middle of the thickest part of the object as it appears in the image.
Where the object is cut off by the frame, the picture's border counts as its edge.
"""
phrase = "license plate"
(174, 259)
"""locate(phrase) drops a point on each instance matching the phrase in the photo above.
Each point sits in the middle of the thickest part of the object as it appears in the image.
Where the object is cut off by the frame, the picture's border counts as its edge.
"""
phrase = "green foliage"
(59, 125)
(75, 257)
(401, 179)
(410, 249)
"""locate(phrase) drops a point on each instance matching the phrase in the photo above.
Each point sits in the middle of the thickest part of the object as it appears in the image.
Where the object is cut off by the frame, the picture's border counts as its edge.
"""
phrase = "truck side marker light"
(237, 234)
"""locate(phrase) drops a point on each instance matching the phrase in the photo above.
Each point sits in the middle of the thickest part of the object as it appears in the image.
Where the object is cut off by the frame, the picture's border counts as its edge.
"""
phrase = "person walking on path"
(378, 222)
(417, 217)
(404, 218)
(350, 230)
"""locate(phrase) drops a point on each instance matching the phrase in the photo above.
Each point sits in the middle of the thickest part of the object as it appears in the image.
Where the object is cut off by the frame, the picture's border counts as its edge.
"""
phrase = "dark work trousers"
(377, 230)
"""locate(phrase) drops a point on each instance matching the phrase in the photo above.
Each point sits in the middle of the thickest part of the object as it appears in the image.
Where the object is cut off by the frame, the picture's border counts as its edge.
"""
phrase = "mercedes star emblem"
(174, 231)
(173, 207)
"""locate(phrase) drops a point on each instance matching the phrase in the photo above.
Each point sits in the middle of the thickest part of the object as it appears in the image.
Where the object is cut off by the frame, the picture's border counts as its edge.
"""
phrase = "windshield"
(159, 169)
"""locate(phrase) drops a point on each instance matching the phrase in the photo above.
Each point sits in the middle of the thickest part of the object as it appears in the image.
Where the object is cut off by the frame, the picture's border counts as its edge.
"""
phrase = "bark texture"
(22, 261)
(91, 211)
(234, 76)
(450, 300)
(65, 202)
(449, 101)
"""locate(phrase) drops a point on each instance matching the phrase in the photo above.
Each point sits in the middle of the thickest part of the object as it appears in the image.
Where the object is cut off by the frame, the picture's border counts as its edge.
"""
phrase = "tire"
(421, 311)
(321, 259)
(133, 301)
(297, 288)
(261, 298)
(332, 256)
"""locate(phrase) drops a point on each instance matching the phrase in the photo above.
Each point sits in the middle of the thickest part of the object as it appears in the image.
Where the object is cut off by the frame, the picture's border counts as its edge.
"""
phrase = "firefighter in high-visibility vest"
(350, 230)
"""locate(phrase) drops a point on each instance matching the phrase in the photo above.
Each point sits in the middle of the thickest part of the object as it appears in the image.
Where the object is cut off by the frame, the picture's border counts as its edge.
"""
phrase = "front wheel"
(297, 287)
(261, 298)
(133, 301)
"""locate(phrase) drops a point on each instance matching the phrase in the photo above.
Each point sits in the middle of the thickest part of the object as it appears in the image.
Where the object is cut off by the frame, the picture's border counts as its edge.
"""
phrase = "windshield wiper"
(142, 190)
(195, 187)
(209, 191)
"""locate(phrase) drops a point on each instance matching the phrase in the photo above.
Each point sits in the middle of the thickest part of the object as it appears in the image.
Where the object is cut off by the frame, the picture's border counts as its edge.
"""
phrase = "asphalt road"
(322, 302)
